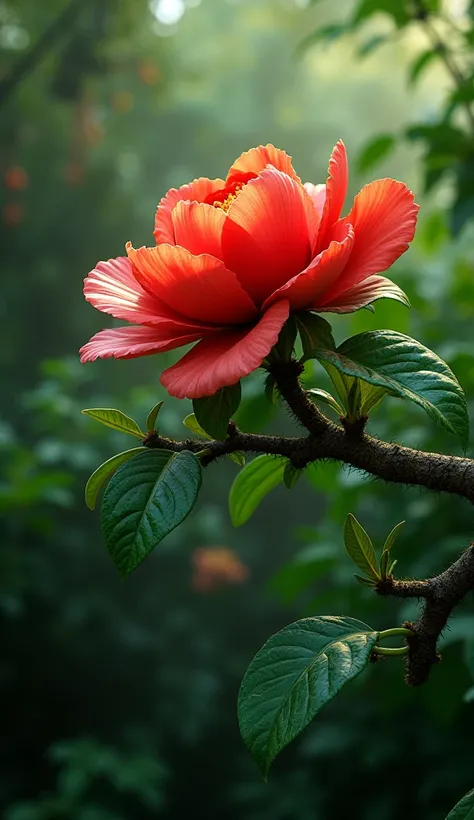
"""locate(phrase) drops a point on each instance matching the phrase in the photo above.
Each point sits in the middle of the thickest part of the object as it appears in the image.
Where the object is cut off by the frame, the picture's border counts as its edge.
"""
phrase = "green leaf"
(252, 484)
(366, 582)
(406, 368)
(291, 475)
(213, 412)
(385, 568)
(391, 537)
(375, 151)
(464, 810)
(192, 424)
(271, 389)
(326, 34)
(396, 10)
(145, 500)
(420, 63)
(115, 419)
(103, 472)
(316, 394)
(152, 416)
(360, 547)
(315, 332)
(371, 44)
(294, 675)
(370, 397)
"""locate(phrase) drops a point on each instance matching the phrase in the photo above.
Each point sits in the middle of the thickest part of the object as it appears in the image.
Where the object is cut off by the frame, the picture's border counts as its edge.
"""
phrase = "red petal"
(225, 358)
(384, 219)
(361, 295)
(198, 227)
(307, 288)
(131, 341)
(317, 194)
(336, 190)
(198, 287)
(195, 191)
(257, 159)
(267, 235)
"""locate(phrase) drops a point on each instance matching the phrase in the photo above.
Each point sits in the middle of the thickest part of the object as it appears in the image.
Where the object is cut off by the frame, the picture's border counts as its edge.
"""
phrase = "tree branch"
(441, 595)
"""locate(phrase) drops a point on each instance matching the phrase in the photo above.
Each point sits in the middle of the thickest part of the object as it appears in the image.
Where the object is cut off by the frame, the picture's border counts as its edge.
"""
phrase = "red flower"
(234, 258)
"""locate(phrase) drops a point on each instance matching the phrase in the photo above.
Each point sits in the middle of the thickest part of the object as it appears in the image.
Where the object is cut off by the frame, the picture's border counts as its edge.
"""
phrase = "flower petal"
(198, 287)
(131, 341)
(384, 219)
(336, 190)
(317, 194)
(195, 191)
(307, 288)
(223, 359)
(266, 238)
(361, 295)
(198, 227)
(257, 159)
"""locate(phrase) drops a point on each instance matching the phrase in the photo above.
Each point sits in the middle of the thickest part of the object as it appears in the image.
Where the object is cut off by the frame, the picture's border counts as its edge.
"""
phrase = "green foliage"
(252, 484)
(294, 675)
(116, 420)
(360, 548)
(315, 332)
(214, 412)
(291, 474)
(317, 394)
(408, 369)
(146, 499)
(108, 468)
(375, 151)
(152, 417)
(464, 810)
(192, 424)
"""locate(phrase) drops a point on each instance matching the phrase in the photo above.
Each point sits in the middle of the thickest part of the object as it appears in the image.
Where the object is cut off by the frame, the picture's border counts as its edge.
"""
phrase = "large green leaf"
(408, 369)
(315, 332)
(294, 675)
(145, 500)
(103, 472)
(252, 484)
(464, 810)
(360, 548)
(152, 416)
(115, 419)
(213, 412)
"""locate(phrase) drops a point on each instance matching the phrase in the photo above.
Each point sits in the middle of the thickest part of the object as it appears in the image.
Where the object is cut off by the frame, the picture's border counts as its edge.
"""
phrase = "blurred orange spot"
(16, 179)
(122, 101)
(149, 73)
(13, 214)
(215, 567)
(74, 173)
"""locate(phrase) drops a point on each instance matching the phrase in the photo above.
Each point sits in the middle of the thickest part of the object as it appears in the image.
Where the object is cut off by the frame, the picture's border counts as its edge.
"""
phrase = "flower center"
(224, 198)
(227, 202)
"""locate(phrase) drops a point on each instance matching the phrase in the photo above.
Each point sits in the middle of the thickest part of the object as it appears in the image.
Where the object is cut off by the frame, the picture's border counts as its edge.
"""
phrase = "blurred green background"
(118, 699)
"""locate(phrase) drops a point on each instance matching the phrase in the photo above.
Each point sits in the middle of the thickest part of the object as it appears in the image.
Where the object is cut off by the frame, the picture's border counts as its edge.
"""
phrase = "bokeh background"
(118, 699)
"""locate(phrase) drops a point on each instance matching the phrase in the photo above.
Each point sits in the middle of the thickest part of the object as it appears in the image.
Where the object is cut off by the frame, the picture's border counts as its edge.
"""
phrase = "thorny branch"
(392, 462)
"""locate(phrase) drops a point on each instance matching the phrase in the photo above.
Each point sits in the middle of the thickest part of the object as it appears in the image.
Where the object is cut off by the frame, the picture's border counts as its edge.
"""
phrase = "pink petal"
(195, 191)
(336, 190)
(112, 288)
(257, 159)
(384, 219)
(307, 288)
(317, 194)
(267, 236)
(199, 287)
(198, 227)
(131, 341)
(361, 295)
(223, 359)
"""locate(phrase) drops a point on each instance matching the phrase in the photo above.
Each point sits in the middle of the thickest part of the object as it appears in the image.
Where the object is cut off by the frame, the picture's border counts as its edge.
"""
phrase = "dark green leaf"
(405, 367)
(294, 675)
(420, 63)
(213, 412)
(394, 8)
(325, 34)
(115, 419)
(152, 416)
(375, 151)
(315, 332)
(360, 547)
(464, 810)
(371, 44)
(391, 537)
(365, 582)
(145, 500)
(104, 472)
(252, 484)
(291, 475)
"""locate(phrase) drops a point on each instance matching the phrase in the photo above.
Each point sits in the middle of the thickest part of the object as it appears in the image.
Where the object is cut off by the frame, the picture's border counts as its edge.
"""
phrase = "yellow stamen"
(225, 205)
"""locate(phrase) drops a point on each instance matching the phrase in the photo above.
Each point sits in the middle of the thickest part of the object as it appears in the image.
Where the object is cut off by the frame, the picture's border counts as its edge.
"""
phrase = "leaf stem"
(397, 630)
(384, 650)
